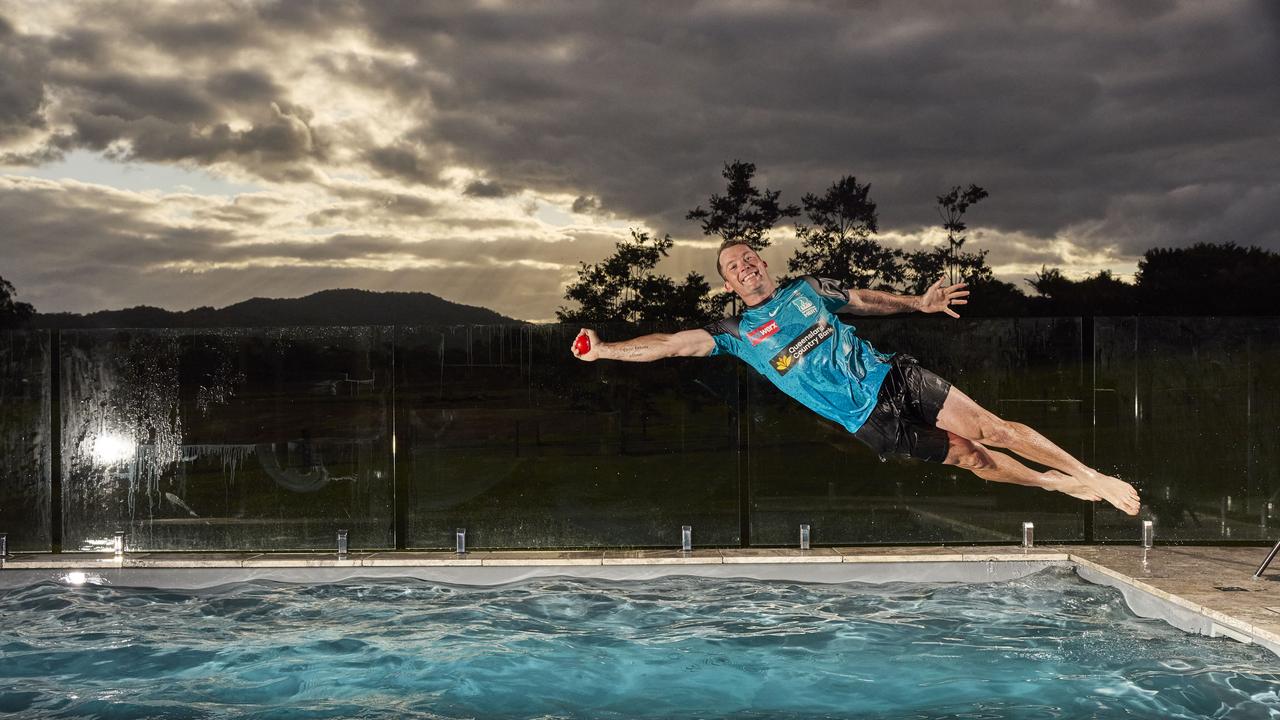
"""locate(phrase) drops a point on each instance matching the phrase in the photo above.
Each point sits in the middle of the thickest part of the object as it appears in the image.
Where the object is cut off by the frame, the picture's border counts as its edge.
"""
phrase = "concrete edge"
(1148, 601)
(86, 561)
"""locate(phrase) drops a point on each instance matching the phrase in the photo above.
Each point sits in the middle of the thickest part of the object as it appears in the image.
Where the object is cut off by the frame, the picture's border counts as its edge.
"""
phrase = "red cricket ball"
(582, 345)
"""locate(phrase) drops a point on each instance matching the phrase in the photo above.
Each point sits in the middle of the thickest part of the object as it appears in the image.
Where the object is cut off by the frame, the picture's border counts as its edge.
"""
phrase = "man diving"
(793, 336)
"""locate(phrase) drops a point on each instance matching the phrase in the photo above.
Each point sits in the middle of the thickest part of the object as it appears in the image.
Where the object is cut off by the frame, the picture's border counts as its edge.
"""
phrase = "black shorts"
(904, 421)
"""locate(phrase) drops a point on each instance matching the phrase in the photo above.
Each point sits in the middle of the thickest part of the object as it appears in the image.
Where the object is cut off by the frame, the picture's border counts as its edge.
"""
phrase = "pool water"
(1045, 646)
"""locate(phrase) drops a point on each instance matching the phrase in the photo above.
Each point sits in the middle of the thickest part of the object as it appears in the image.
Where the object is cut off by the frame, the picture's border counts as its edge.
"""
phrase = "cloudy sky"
(202, 153)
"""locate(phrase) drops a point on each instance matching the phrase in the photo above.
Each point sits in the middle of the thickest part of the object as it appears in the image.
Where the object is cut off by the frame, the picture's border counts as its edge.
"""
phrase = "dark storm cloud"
(82, 45)
(584, 204)
(487, 189)
(1057, 108)
(1100, 128)
(186, 36)
(158, 112)
(23, 69)
(308, 18)
(273, 148)
(129, 97)
(245, 86)
(406, 161)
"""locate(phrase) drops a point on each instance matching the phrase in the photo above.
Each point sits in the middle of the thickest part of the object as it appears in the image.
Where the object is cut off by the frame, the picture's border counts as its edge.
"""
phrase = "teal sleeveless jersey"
(796, 340)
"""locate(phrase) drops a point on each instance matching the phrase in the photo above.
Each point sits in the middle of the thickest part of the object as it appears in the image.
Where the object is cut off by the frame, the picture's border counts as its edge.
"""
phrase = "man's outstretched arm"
(647, 348)
(938, 298)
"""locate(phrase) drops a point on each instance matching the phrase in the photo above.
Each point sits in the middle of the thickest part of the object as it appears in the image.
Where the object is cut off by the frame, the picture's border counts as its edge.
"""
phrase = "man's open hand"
(940, 298)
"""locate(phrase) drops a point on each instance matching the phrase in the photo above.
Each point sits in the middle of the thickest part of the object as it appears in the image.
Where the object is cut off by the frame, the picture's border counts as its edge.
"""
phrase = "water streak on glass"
(25, 444)
(226, 439)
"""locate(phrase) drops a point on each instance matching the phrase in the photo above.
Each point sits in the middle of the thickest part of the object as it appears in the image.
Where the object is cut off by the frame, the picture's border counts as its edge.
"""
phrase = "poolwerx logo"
(798, 348)
(763, 332)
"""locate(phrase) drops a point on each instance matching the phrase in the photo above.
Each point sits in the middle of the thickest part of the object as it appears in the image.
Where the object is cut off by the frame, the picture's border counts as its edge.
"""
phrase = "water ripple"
(1045, 646)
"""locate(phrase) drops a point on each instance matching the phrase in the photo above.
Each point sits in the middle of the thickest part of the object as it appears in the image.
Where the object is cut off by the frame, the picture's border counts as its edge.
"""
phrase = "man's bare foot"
(1096, 486)
(1064, 483)
(1115, 491)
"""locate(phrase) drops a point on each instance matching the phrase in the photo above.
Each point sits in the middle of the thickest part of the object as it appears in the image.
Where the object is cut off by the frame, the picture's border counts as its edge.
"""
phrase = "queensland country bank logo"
(801, 346)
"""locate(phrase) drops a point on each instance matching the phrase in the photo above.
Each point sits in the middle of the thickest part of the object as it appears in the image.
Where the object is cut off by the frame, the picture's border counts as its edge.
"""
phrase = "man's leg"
(998, 467)
(964, 417)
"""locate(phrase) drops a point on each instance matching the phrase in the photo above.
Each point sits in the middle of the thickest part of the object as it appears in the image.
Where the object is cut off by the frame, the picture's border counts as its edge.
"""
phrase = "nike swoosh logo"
(790, 297)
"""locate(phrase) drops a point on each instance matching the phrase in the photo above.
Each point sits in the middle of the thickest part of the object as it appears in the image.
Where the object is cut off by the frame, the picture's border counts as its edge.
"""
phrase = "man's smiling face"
(745, 273)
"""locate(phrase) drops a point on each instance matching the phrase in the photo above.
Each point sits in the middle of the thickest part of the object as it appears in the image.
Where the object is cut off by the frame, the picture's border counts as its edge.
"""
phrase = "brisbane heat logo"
(805, 305)
(801, 346)
(758, 335)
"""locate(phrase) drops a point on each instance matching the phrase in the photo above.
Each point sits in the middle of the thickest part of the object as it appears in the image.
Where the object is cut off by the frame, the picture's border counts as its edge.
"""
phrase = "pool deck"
(1213, 585)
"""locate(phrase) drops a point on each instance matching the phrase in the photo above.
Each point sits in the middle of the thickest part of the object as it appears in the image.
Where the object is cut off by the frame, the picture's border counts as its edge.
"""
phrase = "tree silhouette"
(1208, 279)
(1101, 294)
(624, 288)
(743, 212)
(922, 268)
(837, 241)
(991, 296)
(13, 314)
(951, 207)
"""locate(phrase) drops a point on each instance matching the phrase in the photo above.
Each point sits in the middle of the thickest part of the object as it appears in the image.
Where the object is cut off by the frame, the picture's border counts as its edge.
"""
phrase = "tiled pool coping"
(1207, 590)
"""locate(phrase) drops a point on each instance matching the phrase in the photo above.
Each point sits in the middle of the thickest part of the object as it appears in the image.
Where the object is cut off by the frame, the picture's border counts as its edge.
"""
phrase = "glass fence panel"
(501, 431)
(805, 470)
(275, 439)
(25, 444)
(227, 439)
(1185, 412)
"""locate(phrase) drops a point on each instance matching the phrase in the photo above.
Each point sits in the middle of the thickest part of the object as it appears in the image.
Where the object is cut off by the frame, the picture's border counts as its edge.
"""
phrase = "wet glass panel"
(1193, 425)
(25, 407)
(803, 469)
(502, 431)
(227, 439)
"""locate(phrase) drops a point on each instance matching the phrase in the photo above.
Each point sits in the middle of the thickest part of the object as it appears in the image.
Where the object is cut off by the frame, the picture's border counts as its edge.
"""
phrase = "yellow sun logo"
(782, 363)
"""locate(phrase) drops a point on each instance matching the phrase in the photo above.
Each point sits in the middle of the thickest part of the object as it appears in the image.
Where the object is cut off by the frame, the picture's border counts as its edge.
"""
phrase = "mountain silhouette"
(325, 308)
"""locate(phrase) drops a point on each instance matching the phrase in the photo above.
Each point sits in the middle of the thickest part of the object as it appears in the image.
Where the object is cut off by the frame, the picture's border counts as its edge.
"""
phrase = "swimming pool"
(1042, 645)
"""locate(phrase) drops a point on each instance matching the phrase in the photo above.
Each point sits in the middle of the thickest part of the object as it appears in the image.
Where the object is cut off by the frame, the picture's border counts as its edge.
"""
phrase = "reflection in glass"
(1185, 411)
(503, 431)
